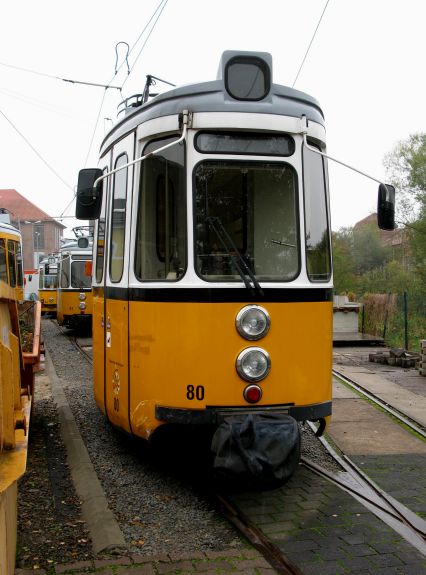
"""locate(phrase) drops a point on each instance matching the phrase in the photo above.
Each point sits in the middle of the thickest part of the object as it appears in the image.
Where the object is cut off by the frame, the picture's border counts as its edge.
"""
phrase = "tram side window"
(19, 264)
(11, 262)
(161, 229)
(100, 243)
(41, 278)
(3, 261)
(318, 259)
(65, 272)
(118, 221)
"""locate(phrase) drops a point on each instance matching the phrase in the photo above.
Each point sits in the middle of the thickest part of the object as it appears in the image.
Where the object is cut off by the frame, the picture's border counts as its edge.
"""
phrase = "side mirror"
(89, 199)
(386, 207)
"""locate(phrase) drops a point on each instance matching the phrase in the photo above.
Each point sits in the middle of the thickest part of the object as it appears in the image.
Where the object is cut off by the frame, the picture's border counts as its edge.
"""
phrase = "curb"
(104, 530)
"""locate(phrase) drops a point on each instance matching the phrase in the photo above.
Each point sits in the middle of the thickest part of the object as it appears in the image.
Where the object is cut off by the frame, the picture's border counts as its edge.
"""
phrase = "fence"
(399, 318)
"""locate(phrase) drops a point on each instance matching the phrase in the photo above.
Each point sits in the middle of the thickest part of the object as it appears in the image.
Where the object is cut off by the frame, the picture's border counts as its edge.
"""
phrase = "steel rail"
(403, 418)
(256, 537)
(355, 482)
(74, 340)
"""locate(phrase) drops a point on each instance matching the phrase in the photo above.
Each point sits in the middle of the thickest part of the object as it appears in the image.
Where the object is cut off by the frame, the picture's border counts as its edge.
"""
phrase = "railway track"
(351, 480)
(401, 417)
(75, 340)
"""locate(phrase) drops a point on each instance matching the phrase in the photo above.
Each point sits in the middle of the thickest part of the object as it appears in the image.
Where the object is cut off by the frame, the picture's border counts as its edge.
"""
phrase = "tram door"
(116, 282)
(98, 293)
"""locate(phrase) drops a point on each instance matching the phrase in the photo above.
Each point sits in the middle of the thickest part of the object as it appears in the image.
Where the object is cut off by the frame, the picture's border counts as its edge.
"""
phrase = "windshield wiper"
(237, 259)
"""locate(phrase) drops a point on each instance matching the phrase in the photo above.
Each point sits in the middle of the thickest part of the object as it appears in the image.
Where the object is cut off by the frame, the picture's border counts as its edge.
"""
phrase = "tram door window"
(11, 262)
(65, 271)
(100, 244)
(41, 278)
(3, 261)
(248, 210)
(318, 260)
(118, 220)
(161, 229)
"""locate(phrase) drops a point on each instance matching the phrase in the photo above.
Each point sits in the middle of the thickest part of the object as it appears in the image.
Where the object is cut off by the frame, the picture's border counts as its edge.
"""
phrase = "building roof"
(22, 209)
(390, 237)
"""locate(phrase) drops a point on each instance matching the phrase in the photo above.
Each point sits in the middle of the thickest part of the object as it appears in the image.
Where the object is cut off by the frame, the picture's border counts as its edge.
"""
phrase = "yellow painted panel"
(116, 363)
(8, 526)
(7, 432)
(68, 302)
(98, 335)
(176, 345)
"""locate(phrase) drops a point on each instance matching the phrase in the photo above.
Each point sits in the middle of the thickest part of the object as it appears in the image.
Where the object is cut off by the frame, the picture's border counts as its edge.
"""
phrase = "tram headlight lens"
(82, 305)
(253, 364)
(82, 297)
(252, 322)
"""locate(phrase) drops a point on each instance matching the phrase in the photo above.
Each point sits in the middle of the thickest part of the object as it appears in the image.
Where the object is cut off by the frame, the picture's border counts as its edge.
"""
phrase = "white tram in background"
(212, 275)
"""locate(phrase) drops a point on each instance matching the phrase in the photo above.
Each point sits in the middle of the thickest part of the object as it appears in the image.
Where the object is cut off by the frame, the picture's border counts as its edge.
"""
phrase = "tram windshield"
(79, 277)
(246, 210)
(50, 281)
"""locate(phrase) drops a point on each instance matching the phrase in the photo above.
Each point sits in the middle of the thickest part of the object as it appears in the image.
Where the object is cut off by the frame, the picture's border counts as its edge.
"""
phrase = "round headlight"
(253, 364)
(82, 305)
(252, 322)
(82, 297)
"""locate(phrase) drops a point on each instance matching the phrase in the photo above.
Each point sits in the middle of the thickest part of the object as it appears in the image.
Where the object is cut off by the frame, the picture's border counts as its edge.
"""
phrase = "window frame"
(111, 218)
(327, 212)
(138, 210)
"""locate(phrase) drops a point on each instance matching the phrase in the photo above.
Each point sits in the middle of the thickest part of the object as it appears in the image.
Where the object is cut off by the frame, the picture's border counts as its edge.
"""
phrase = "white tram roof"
(215, 96)
(9, 229)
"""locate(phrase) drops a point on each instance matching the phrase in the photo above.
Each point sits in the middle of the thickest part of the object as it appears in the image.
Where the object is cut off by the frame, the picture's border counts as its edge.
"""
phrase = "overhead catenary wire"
(159, 9)
(35, 151)
(310, 44)
(146, 40)
(52, 77)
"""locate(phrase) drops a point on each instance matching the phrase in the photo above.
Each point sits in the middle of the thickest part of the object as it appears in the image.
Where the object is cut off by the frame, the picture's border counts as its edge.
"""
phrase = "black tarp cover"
(261, 448)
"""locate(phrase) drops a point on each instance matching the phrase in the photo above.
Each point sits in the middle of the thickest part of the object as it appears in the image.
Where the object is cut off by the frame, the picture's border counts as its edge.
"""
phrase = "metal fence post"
(406, 320)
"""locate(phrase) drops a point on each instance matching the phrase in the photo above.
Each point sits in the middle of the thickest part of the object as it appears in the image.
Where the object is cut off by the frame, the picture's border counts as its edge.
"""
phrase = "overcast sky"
(365, 67)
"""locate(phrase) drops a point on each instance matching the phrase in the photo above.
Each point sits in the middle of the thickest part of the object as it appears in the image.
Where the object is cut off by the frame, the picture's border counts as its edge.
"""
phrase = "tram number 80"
(195, 392)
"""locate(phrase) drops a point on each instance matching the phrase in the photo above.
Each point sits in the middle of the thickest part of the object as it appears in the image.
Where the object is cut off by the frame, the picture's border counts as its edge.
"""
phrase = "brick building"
(41, 234)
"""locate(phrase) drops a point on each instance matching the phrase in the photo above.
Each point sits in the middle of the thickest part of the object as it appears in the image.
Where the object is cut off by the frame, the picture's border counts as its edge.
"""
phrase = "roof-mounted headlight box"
(247, 75)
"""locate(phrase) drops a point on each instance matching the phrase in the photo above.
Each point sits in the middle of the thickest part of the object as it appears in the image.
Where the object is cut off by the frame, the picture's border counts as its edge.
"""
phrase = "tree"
(406, 169)
(369, 251)
(343, 262)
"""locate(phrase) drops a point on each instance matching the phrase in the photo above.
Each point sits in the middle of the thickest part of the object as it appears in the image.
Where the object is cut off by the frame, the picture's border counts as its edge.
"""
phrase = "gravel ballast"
(159, 501)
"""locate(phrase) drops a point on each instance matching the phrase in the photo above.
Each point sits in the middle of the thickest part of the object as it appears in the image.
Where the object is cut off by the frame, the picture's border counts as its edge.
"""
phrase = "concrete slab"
(358, 428)
(408, 402)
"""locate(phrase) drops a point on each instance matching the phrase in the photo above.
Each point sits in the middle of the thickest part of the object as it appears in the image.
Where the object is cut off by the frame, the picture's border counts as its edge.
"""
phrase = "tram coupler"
(258, 449)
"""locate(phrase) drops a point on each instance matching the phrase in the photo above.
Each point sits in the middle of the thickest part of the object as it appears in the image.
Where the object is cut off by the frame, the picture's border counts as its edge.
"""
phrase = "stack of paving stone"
(398, 357)
(422, 362)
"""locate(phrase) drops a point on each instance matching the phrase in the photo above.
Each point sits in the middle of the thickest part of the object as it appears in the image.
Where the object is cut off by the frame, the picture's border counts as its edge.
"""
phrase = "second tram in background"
(19, 358)
(74, 295)
(48, 284)
(212, 284)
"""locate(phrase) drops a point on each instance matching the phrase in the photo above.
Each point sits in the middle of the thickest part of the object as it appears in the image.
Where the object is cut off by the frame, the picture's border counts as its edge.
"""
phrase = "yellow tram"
(11, 270)
(48, 283)
(19, 353)
(74, 295)
(212, 279)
